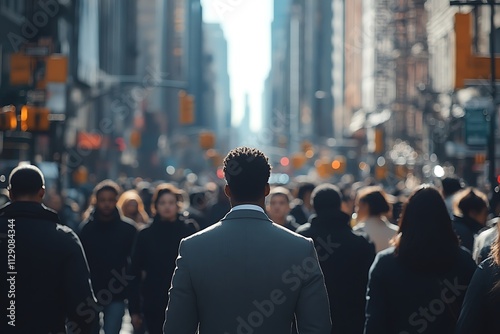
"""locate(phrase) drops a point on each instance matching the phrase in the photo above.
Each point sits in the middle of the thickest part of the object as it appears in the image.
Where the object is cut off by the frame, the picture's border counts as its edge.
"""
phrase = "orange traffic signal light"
(186, 108)
(298, 160)
(207, 140)
(34, 119)
(8, 118)
(381, 172)
(135, 139)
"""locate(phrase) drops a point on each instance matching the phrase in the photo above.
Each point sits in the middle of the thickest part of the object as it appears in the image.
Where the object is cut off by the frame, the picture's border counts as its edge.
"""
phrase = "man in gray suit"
(245, 274)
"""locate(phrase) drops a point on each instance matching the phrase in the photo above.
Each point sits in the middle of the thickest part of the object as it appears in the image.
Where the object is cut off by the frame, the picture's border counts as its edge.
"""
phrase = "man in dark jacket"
(107, 239)
(44, 279)
(345, 259)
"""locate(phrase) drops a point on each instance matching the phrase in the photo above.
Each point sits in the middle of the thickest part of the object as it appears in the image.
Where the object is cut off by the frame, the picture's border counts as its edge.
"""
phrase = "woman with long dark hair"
(482, 301)
(153, 258)
(418, 285)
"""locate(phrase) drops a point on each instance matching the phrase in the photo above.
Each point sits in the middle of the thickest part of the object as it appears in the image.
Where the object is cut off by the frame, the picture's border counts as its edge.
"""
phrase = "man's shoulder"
(67, 234)
(285, 233)
(213, 232)
(304, 229)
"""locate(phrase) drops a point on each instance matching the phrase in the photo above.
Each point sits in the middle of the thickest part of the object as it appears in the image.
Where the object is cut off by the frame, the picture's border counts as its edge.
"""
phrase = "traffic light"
(338, 165)
(298, 160)
(379, 141)
(8, 118)
(135, 139)
(207, 140)
(323, 168)
(380, 172)
(186, 108)
(80, 175)
(34, 119)
(480, 158)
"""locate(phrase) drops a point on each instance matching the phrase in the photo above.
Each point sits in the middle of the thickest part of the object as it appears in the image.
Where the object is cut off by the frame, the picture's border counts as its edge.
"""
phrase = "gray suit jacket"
(246, 274)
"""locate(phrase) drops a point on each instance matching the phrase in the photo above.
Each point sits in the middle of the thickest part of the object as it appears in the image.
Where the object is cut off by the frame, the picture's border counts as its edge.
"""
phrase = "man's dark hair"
(247, 171)
(326, 198)
(305, 188)
(451, 185)
(26, 180)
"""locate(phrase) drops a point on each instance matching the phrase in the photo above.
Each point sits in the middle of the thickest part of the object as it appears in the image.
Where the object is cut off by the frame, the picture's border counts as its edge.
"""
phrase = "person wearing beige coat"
(372, 209)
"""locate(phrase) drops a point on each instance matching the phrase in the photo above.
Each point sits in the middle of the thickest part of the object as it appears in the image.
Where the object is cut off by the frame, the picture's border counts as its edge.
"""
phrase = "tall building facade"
(216, 56)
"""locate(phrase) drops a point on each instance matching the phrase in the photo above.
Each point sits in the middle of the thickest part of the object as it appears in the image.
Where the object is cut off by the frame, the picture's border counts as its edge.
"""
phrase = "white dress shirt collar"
(247, 207)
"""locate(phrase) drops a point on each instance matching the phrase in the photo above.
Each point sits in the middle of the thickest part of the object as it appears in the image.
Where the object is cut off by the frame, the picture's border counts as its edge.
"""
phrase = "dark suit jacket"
(479, 314)
(246, 274)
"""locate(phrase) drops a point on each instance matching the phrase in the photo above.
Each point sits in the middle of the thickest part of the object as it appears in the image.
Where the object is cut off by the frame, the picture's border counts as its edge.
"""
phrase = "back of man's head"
(304, 188)
(25, 181)
(247, 173)
(451, 185)
(326, 198)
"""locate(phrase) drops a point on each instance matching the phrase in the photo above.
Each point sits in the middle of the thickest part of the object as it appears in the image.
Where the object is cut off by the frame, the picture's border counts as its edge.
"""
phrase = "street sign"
(37, 50)
(476, 124)
(36, 96)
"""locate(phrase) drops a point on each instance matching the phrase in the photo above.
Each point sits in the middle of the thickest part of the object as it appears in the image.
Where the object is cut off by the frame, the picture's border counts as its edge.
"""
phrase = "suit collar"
(246, 214)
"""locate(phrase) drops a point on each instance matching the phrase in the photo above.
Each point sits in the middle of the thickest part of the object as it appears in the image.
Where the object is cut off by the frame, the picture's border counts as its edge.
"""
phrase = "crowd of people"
(423, 260)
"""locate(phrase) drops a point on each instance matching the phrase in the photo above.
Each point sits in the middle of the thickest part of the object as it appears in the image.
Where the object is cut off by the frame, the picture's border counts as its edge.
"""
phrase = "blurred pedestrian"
(45, 280)
(479, 313)
(107, 239)
(67, 209)
(278, 208)
(246, 274)
(485, 238)
(153, 259)
(301, 207)
(449, 187)
(131, 206)
(418, 285)
(198, 206)
(220, 208)
(345, 259)
(471, 215)
(145, 191)
(372, 209)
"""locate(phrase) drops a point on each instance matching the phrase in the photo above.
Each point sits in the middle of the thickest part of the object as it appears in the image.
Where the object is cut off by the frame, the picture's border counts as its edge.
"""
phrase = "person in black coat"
(479, 313)
(418, 285)
(345, 259)
(107, 239)
(473, 207)
(302, 208)
(153, 259)
(45, 280)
